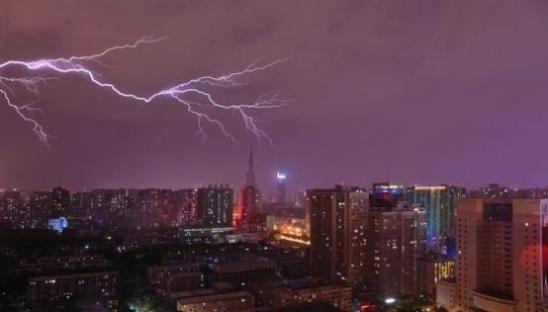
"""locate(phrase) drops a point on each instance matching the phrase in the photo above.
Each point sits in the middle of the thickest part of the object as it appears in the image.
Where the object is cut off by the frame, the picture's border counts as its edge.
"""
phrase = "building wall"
(527, 235)
(446, 295)
(61, 287)
(336, 296)
(469, 213)
(440, 203)
(249, 201)
(396, 243)
(384, 272)
(322, 205)
(159, 276)
(357, 254)
(338, 230)
(435, 269)
(215, 206)
(229, 302)
(500, 261)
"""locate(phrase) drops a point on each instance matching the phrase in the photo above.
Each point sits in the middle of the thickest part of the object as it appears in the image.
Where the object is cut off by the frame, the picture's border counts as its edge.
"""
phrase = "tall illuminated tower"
(249, 200)
(281, 197)
(250, 176)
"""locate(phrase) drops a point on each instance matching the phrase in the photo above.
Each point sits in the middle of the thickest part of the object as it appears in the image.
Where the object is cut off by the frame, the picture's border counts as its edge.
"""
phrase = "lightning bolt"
(184, 93)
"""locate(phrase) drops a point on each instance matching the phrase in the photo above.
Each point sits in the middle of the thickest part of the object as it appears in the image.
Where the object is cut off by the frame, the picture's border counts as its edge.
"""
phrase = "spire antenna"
(250, 178)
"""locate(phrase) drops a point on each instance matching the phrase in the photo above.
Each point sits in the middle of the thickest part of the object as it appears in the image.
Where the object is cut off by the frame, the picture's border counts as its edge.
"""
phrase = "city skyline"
(273, 156)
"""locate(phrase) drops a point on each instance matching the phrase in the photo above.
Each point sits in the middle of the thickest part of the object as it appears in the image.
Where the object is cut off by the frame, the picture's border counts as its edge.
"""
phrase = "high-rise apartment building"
(338, 228)
(80, 205)
(60, 202)
(501, 264)
(396, 242)
(39, 206)
(108, 207)
(215, 206)
(355, 261)
(13, 209)
(187, 202)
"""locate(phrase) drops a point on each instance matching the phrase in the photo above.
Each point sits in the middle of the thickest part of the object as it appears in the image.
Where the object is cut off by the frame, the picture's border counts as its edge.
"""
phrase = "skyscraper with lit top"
(440, 203)
(281, 196)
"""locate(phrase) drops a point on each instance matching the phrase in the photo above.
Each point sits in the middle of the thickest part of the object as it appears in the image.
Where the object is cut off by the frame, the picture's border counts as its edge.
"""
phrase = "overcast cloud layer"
(411, 91)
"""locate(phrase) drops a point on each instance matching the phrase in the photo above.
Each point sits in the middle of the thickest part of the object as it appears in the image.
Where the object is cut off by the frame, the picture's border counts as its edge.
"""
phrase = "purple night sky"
(411, 91)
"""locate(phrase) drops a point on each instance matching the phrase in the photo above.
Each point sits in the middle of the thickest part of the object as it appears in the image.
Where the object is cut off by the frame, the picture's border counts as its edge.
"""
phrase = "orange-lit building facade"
(501, 264)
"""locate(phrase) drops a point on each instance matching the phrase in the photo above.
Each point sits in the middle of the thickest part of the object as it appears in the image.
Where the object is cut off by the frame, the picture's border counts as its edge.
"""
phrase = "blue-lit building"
(58, 224)
(440, 203)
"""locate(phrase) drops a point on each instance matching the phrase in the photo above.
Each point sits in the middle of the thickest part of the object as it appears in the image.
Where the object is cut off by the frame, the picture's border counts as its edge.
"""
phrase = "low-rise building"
(47, 289)
(175, 278)
(52, 264)
(339, 297)
(241, 301)
(248, 268)
(433, 269)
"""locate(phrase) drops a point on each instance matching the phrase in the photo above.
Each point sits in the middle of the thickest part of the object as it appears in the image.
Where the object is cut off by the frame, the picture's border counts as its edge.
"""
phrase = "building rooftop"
(214, 297)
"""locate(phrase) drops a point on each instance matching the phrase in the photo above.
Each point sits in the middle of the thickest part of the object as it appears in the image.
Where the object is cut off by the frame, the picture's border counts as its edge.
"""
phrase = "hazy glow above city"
(422, 93)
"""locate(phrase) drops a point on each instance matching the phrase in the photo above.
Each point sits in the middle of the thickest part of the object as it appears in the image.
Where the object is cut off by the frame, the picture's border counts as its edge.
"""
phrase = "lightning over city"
(273, 156)
(195, 94)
